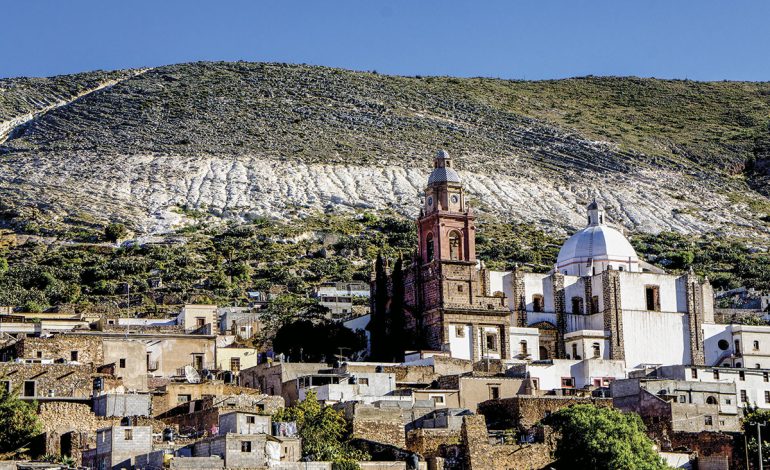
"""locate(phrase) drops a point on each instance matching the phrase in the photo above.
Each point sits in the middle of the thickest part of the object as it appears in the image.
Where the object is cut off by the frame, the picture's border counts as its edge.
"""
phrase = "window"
(523, 346)
(246, 446)
(128, 434)
(728, 401)
(716, 374)
(767, 396)
(29, 388)
(122, 363)
(183, 398)
(363, 381)
(251, 419)
(494, 392)
(765, 377)
(708, 421)
(491, 341)
(694, 373)
(756, 345)
(744, 397)
(40, 354)
(738, 364)
(429, 249)
(723, 344)
(574, 351)
(652, 296)
(711, 400)
(682, 398)
(460, 331)
(597, 350)
(535, 384)
(568, 382)
(741, 375)
(235, 364)
(595, 304)
(437, 399)
(737, 346)
(577, 305)
(200, 322)
(757, 366)
(537, 303)
(454, 245)
(73, 355)
(459, 287)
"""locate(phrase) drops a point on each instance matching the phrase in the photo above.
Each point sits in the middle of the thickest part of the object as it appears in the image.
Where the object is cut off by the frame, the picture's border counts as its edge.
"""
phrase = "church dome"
(596, 248)
(443, 171)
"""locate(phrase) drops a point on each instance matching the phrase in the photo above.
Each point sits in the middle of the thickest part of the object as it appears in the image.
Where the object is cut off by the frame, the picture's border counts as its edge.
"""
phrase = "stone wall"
(382, 425)
(430, 442)
(50, 380)
(62, 346)
(480, 455)
(523, 412)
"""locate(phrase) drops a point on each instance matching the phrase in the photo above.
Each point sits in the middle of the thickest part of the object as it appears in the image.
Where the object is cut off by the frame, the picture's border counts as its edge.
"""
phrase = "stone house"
(240, 422)
(37, 380)
(270, 377)
(118, 446)
(199, 319)
(681, 405)
(525, 411)
(173, 394)
(476, 387)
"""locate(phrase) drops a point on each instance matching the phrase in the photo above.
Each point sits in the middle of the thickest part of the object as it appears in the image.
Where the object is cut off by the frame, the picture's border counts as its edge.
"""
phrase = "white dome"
(595, 249)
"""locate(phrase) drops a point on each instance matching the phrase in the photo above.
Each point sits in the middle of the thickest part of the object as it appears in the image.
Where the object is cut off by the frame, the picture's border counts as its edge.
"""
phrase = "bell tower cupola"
(446, 227)
(595, 214)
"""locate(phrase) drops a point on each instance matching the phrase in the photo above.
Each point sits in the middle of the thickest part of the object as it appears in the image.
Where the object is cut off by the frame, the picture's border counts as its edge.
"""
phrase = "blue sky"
(701, 40)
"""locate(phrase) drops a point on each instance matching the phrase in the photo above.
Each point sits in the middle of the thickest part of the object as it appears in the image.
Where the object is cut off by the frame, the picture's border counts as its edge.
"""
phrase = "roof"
(597, 243)
(443, 175)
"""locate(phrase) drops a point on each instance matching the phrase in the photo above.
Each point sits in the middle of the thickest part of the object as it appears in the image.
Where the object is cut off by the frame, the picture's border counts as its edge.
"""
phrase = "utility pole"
(759, 445)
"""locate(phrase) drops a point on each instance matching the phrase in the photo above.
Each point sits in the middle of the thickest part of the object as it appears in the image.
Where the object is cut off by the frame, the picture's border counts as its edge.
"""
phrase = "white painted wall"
(655, 338)
(712, 334)
(531, 336)
(460, 346)
(550, 373)
(632, 291)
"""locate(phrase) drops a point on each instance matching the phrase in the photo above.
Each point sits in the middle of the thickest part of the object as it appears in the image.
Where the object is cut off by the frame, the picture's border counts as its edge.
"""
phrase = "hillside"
(169, 146)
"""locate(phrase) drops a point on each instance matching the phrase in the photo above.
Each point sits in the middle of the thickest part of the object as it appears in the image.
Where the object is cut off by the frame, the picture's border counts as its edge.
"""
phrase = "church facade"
(599, 300)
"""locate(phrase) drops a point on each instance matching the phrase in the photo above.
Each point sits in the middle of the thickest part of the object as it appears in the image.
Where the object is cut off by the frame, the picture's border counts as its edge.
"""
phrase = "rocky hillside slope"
(241, 140)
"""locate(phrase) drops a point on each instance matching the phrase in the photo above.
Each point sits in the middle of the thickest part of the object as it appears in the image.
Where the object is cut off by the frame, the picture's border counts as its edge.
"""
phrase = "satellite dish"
(191, 375)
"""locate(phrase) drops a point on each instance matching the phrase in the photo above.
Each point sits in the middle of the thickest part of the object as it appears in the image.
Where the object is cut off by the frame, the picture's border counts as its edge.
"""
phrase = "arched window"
(577, 305)
(429, 248)
(574, 351)
(454, 245)
(597, 350)
(537, 303)
(544, 353)
(711, 401)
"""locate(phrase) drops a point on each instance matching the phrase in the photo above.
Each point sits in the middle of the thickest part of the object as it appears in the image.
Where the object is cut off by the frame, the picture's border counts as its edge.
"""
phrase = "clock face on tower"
(455, 199)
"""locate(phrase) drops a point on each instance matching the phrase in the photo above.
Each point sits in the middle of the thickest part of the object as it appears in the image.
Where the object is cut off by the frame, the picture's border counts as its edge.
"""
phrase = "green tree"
(323, 432)
(378, 324)
(287, 308)
(603, 438)
(18, 422)
(752, 416)
(398, 333)
(3, 266)
(114, 232)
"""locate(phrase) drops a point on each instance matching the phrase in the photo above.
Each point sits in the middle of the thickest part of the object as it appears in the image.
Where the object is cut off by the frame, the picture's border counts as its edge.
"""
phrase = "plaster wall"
(655, 337)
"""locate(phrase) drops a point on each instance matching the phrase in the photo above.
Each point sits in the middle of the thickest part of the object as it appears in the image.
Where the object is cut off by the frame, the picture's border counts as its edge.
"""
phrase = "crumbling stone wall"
(61, 346)
(379, 425)
(430, 443)
(481, 455)
(523, 412)
(57, 380)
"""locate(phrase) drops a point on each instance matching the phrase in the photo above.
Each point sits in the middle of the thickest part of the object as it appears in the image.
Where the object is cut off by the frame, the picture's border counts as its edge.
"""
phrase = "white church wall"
(717, 342)
(500, 281)
(574, 287)
(655, 338)
(597, 291)
(534, 284)
(632, 291)
(536, 317)
(460, 341)
(754, 343)
(532, 338)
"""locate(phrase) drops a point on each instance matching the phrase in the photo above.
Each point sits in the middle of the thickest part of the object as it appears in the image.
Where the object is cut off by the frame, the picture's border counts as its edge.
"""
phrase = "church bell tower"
(446, 225)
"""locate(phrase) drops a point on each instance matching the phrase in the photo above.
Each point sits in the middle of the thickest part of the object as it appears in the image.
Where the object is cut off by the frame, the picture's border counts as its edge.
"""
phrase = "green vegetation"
(221, 264)
(317, 341)
(602, 438)
(115, 232)
(323, 431)
(754, 415)
(18, 423)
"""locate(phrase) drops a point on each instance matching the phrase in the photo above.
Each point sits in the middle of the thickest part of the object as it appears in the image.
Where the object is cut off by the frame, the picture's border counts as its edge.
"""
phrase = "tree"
(18, 422)
(378, 326)
(114, 232)
(323, 432)
(397, 336)
(753, 415)
(603, 438)
(287, 308)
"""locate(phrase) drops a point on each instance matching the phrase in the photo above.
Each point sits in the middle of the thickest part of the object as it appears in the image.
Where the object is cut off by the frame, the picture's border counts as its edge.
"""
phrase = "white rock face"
(149, 188)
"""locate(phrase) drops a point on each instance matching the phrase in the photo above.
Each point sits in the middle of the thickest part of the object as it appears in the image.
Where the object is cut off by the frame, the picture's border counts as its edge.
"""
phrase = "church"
(599, 300)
